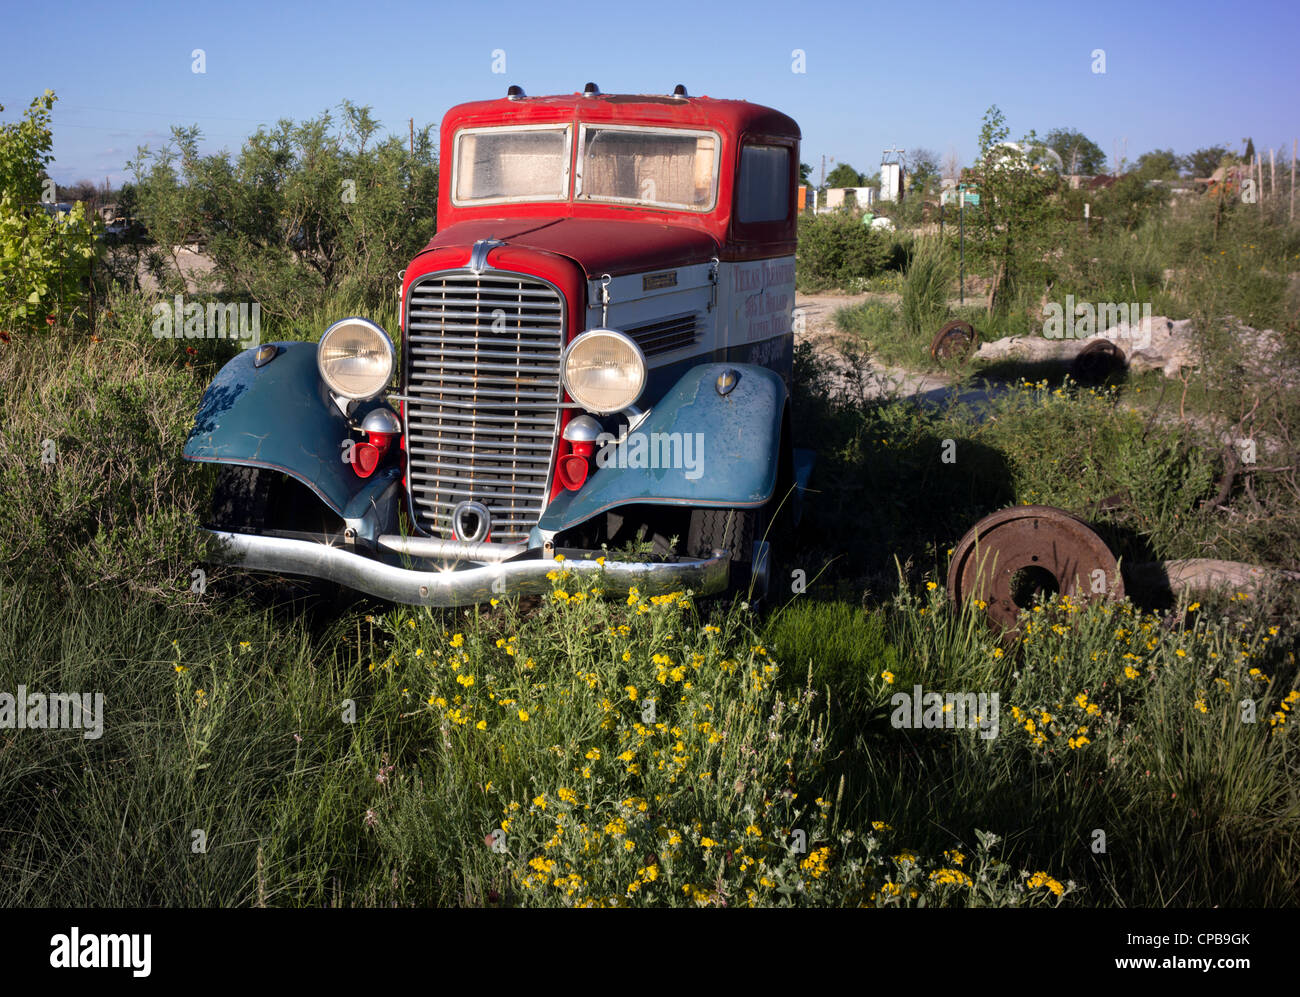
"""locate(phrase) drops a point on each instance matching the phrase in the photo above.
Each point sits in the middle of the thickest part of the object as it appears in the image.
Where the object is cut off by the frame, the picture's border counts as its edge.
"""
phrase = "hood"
(597, 246)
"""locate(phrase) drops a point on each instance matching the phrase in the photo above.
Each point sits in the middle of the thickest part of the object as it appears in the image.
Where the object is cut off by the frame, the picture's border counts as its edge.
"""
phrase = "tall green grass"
(926, 287)
(512, 758)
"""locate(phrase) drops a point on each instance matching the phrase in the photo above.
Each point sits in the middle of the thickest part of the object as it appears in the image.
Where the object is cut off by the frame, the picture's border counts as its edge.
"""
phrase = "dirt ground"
(818, 327)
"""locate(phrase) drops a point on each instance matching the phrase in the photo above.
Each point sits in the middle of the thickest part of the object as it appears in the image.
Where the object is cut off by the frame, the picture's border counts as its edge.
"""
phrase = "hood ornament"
(479, 254)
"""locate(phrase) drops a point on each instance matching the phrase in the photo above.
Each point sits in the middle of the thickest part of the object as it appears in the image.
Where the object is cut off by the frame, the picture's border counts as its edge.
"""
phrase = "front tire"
(253, 499)
(736, 531)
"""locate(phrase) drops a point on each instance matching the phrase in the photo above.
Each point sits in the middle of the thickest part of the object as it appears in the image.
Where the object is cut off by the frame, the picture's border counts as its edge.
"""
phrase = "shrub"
(96, 491)
(304, 211)
(44, 258)
(837, 249)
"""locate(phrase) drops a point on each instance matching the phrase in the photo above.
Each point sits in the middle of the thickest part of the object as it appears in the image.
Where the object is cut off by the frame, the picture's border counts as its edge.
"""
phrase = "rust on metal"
(954, 341)
(1008, 557)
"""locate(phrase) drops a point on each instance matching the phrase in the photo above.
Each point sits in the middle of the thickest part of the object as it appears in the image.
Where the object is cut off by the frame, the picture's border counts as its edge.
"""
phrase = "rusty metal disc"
(1008, 557)
(954, 341)
(1097, 361)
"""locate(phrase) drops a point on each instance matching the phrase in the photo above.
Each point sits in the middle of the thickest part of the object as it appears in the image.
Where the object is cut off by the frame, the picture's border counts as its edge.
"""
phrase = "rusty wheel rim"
(1098, 361)
(1005, 558)
(954, 341)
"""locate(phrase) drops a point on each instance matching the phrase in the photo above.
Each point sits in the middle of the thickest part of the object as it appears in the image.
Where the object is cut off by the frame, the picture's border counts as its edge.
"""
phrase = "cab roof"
(735, 121)
(733, 117)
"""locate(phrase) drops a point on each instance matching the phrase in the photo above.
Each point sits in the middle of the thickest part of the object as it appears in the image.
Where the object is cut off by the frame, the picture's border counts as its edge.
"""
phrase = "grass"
(400, 757)
(652, 752)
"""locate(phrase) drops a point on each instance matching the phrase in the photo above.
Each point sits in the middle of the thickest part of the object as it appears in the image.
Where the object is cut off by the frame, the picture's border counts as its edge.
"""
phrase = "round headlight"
(355, 357)
(604, 371)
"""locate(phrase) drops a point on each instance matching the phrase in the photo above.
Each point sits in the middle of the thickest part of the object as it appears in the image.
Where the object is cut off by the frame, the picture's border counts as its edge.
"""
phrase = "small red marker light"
(381, 428)
(573, 471)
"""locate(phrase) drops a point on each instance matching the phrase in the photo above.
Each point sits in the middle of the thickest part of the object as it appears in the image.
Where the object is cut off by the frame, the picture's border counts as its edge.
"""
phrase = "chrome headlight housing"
(604, 371)
(355, 358)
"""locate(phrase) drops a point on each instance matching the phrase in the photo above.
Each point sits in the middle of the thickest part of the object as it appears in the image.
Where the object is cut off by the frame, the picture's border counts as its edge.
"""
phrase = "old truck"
(593, 364)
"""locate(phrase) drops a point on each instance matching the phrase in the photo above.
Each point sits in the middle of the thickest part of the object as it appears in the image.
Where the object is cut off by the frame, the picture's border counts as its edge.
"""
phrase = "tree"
(1159, 164)
(952, 164)
(1203, 162)
(844, 175)
(923, 165)
(44, 256)
(1078, 153)
(1015, 227)
(992, 131)
(307, 209)
(805, 174)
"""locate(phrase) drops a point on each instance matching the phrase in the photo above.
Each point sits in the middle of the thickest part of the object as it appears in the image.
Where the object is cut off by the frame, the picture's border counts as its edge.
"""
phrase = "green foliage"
(44, 257)
(926, 285)
(1078, 153)
(1159, 164)
(922, 168)
(1018, 220)
(844, 175)
(835, 250)
(500, 759)
(305, 210)
(1203, 162)
(97, 496)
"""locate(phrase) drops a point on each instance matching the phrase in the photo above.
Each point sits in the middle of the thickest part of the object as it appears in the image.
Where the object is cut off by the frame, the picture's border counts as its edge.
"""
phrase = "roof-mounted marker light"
(680, 90)
(591, 90)
(515, 92)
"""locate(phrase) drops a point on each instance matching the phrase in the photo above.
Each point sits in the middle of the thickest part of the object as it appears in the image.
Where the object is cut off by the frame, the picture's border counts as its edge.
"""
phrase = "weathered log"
(1183, 577)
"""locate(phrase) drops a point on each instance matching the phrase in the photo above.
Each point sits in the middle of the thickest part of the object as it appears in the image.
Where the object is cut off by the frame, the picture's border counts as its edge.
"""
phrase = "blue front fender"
(279, 416)
(735, 458)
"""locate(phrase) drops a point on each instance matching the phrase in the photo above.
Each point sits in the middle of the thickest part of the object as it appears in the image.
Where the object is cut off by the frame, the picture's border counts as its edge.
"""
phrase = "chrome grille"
(483, 383)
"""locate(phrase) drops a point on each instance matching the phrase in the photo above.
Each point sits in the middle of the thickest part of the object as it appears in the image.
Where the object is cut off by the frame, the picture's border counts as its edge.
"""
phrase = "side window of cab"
(763, 209)
(763, 189)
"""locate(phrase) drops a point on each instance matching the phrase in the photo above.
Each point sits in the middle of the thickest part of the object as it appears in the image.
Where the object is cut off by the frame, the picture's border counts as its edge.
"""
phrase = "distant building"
(839, 197)
(891, 181)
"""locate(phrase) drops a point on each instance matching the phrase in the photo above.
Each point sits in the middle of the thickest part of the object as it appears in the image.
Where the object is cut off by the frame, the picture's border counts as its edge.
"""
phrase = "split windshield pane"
(656, 168)
(512, 165)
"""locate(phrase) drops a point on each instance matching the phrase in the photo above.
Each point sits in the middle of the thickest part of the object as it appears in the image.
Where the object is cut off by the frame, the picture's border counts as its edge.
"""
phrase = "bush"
(306, 210)
(96, 493)
(44, 258)
(835, 250)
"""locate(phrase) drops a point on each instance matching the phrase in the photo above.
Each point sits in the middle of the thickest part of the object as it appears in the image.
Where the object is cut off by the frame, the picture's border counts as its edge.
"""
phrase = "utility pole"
(412, 138)
(961, 243)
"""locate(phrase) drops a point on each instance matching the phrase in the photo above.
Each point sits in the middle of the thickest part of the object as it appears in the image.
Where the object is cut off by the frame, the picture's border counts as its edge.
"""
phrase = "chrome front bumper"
(468, 582)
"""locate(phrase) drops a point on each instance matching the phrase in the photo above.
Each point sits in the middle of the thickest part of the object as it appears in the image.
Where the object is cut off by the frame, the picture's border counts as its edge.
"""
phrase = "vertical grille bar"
(483, 379)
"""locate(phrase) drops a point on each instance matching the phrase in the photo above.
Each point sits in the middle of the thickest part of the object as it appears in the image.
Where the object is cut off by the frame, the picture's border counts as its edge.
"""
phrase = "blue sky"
(1181, 75)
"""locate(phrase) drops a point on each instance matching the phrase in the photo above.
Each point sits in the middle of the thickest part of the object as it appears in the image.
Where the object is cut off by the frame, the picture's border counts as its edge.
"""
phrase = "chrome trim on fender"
(467, 586)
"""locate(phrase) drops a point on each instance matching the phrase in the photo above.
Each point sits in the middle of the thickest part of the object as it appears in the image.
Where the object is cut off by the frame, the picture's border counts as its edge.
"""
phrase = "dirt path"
(876, 380)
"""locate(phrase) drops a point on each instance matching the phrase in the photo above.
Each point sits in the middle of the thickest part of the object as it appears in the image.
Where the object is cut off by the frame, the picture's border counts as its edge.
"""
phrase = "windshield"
(512, 164)
(669, 168)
